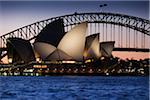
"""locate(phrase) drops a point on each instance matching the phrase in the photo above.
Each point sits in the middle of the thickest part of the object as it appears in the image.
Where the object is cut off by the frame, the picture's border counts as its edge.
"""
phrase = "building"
(53, 44)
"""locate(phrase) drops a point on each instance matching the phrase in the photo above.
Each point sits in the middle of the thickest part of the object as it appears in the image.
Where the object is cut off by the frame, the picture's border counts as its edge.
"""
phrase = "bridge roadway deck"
(115, 49)
(132, 49)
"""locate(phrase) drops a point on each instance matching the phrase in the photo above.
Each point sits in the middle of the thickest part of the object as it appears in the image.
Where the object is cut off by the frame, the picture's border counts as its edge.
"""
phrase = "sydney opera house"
(54, 44)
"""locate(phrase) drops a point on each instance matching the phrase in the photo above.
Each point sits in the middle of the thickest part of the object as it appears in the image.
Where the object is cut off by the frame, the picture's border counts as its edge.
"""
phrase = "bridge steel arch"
(29, 32)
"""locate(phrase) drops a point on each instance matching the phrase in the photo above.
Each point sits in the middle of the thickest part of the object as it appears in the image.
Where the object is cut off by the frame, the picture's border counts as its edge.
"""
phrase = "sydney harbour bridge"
(129, 33)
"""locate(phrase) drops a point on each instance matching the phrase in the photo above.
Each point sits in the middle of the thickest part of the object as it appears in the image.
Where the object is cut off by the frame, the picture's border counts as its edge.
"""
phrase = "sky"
(16, 14)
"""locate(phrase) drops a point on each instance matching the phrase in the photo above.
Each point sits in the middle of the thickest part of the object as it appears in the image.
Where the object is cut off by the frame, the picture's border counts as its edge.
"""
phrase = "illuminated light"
(47, 68)
(113, 70)
(37, 74)
(62, 70)
(76, 70)
(85, 53)
(10, 60)
(107, 73)
(39, 66)
(5, 74)
(46, 71)
(37, 59)
(55, 70)
(83, 66)
(69, 69)
(44, 66)
(142, 72)
(15, 73)
(28, 70)
(5, 60)
(90, 71)
(25, 74)
(126, 70)
(31, 74)
(102, 58)
(69, 62)
(119, 71)
(88, 61)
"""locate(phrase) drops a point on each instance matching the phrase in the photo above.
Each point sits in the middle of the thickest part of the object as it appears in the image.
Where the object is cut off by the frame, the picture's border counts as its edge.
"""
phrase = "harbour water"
(74, 88)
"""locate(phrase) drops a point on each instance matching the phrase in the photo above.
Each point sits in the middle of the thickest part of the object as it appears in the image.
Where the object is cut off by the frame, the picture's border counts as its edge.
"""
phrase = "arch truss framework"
(127, 31)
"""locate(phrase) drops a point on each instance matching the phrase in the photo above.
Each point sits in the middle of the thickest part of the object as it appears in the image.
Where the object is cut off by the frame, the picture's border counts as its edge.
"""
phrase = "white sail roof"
(59, 55)
(20, 50)
(92, 46)
(43, 49)
(73, 42)
(106, 48)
